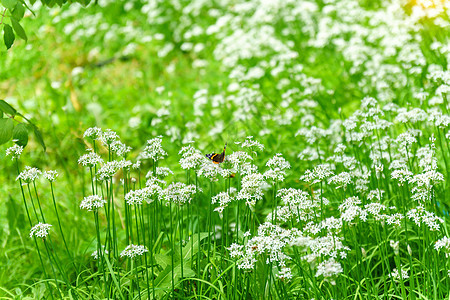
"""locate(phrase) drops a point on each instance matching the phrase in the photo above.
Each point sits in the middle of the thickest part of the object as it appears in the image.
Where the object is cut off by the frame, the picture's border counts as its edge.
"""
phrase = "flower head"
(93, 133)
(92, 202)
(132, 251)
(40, 230)
(50, 175)
(90, 159)
(29, 175)
(178, 193)
(15, 151)
(153, 150)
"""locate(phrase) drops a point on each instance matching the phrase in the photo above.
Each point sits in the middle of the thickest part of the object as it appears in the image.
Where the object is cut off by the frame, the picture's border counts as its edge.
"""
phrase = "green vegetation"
(333, 184)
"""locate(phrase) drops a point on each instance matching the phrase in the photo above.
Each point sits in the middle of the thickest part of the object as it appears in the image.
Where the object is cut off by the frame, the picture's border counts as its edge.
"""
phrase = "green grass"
(115, 87)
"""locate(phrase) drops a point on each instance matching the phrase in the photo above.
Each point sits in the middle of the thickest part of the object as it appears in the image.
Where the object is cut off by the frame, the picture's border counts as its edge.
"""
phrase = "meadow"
(231, 149)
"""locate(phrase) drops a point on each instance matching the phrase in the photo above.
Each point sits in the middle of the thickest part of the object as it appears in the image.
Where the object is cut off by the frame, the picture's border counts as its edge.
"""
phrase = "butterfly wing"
(217, 158)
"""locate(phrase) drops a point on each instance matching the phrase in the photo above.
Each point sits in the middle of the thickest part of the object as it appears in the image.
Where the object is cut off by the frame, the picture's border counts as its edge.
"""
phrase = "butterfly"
(217, 158)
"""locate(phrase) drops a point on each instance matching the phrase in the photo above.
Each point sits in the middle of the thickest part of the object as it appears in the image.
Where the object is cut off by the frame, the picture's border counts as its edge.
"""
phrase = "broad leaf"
(6, 130)
(8, 36)
(19, 11)
(164, 280)
(7, 109)
(20, 134)
(19, 29)
(9, 4)
(193, 245)
(163, 260)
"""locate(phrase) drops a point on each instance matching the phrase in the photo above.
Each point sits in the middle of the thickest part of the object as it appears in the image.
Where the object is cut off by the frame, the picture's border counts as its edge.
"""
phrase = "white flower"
(15, 151)
(90, 159)
(329, 268)
(223, 198)
(210, 171)
(40, 230)
(443, 243)
(162, 172)
(153, 150)
(277, 165)
(285, 274)
(95, 253)
(395, 246)
(50, 175)
(120, 148)
(341, 180)
(92, 202)
(94, 133)
(178, 193)
(147, 194)
(252, 144)
(318, 174)
(239, 160)
(108, 137)
(191, 158)
(108, 170)
(133, 250)
(29, 175)
(252, 189)
(396, 275)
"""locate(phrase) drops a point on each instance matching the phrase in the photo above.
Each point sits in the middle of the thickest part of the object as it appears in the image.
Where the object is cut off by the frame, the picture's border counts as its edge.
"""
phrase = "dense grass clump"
(332, 181)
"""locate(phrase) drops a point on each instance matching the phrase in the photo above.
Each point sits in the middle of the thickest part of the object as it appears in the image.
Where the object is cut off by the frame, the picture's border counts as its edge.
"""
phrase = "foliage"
(335, 178)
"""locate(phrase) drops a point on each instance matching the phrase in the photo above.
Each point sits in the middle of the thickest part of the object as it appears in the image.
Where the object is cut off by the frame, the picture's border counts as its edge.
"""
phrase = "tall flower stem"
(31, 225)
(100, 252)
(172, 242)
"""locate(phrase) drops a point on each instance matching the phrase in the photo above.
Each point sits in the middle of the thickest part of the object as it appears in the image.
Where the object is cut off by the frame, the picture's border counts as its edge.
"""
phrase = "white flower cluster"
(92, 202)
(153, 150)
(40, 230)
(147, 194)
(28, 175)
(251, 189)
(443, 243)
(191, 158)
(93, 133)
(90, 159)
(223, 199)
(50, 175)
(270, 241)
(132, 251)
(277, 166)
(318, 174)
(178, 193)
(399, 276)
(421, 216)
(108, 137)
(108, 170)
(14, 151)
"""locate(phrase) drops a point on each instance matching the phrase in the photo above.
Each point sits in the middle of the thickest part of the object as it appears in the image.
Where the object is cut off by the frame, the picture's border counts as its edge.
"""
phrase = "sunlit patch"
(433, 3)
(430, 8)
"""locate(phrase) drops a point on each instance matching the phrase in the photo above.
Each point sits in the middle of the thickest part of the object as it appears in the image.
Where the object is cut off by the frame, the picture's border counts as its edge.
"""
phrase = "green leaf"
(7, 109)
(163, 260)
(14, 214)
(19, 11)
(39, 138)
(6, 130)
(8, 36)
(9, 4)
(19, 29)
(20, 134)
(192, 246)
(164, 279)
